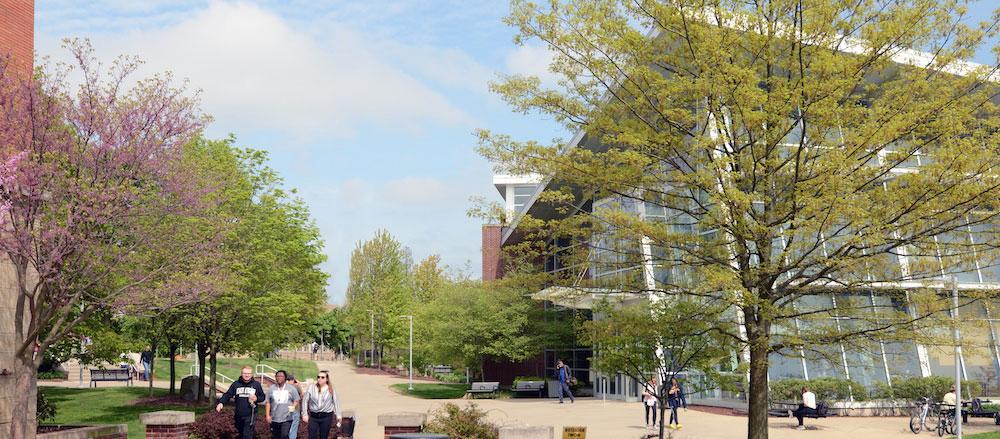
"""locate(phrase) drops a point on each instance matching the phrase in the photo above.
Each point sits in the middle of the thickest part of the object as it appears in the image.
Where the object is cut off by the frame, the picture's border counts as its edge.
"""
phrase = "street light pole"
(372, 314)
(958, 359)
(411, 351)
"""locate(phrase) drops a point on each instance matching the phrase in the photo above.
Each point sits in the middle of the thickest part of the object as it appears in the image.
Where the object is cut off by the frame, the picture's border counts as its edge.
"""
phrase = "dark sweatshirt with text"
(241, 391)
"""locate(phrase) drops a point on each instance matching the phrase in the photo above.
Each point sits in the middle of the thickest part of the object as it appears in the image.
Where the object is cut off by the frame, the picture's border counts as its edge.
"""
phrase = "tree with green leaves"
(330, 330)
(818, 167)
(379, 292)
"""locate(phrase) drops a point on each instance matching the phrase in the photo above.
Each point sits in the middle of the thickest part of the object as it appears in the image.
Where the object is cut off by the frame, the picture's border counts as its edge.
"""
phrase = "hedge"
(934, 387)
(841, 389)
(826, 389)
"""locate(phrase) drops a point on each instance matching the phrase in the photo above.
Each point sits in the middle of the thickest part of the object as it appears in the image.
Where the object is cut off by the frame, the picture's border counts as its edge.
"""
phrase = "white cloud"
(532, 60)
(260, 73)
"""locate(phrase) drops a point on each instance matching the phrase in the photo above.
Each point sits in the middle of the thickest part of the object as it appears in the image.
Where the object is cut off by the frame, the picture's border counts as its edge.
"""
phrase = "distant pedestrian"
(293, 431)
(675, 396)
(282, 399)
(806, 408)
(247, 393)
(146, 358)
(564, 376)
(649, 400)
(315, 349)
(320, 408)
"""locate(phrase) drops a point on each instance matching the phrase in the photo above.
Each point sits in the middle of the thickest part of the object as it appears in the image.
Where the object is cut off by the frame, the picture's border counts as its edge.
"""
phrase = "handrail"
(193, 371)
(259, 371)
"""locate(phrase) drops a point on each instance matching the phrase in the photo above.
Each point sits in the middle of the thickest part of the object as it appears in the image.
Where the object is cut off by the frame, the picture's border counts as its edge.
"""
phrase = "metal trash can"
(418, 436)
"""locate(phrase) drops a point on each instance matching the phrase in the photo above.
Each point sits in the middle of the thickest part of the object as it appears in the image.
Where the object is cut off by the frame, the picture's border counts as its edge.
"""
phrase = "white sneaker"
(801, 427)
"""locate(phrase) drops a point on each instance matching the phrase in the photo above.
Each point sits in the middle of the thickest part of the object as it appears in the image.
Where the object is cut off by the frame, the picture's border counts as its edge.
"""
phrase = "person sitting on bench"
(948, 402)
(806, 408)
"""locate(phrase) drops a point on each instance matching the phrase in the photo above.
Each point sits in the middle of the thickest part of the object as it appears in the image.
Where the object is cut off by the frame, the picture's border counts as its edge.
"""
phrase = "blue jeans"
(564, 388)
(145, 371)
(294, 432)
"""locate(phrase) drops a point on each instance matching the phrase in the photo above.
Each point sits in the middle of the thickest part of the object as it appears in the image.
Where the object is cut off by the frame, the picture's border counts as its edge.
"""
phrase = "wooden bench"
(491, 388)
(822, 410)
(528, 387)
(110, 375)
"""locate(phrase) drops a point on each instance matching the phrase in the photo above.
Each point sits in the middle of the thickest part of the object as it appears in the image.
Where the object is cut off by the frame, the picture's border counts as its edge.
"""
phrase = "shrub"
(518, 379)
(826, 389)
(934, 387)
(212, 425)
(453, 377)
(459, 423)
(46, 410)
(52, 375)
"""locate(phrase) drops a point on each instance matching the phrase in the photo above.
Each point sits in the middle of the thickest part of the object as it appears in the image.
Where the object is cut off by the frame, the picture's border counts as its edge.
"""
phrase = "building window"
(522, 194)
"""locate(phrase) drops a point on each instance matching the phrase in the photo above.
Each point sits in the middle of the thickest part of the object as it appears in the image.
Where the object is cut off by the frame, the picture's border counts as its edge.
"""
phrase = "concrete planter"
(115, 431)
(881, 407)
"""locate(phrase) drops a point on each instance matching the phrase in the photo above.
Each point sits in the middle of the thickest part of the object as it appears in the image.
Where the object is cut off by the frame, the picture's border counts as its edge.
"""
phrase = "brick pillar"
(492, 252)
(167, 424)
(401, 422)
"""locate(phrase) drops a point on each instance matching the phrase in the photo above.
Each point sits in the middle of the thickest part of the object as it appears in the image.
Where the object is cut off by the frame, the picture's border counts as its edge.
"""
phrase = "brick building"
(17, 33)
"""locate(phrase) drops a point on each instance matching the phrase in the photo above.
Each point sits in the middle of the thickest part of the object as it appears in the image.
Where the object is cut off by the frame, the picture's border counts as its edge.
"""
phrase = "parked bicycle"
(918, 417)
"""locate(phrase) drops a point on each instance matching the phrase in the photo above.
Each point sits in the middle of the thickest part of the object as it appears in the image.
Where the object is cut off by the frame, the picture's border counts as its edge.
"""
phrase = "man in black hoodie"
(247, 392)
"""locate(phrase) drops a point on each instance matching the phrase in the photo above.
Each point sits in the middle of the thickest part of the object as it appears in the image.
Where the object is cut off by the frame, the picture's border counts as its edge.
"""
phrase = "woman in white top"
(320, 407)
(649, 400)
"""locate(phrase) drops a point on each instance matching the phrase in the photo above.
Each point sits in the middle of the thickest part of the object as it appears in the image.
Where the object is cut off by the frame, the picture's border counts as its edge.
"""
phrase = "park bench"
(484, 388)
(439, 369)
(110, 375)
(784, 408)
(528, 387)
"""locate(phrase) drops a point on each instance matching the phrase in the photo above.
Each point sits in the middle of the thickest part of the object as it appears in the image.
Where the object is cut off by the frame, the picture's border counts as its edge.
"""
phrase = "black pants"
(650, 409)
(802, 412)
(319, 424)
(673, 415)
(279, 430)
(244, 426)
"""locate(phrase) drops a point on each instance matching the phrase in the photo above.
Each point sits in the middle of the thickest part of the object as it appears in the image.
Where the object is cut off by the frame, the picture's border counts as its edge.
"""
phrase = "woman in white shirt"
(320, 407)
(649, 399)
(807, 407)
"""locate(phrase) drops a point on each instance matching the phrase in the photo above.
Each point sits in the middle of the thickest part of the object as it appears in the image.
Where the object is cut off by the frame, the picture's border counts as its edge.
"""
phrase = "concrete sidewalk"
(369, 396)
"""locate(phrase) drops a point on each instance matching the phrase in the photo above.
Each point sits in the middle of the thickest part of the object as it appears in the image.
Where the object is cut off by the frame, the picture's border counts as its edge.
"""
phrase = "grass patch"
(112, 405)
(431, 390)
(990, 435)
(302, 369)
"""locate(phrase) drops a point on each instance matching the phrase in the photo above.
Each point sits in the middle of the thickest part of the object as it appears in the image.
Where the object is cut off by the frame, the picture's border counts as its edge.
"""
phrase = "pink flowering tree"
(100, 210)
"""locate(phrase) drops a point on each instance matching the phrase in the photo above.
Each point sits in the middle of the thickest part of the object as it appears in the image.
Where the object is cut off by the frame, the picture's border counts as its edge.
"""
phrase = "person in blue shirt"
(563, 373)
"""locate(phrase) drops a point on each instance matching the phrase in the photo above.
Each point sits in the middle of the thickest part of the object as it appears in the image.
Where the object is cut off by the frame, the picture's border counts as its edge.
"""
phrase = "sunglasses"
(320, 376)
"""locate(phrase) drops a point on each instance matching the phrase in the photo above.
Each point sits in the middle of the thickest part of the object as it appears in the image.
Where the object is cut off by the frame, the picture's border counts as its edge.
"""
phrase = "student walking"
(649, 401)
(146, 358)
(245, 392)
(320, 407)
(282, 399)
(293, 430)
(563, 373)
(675, 397)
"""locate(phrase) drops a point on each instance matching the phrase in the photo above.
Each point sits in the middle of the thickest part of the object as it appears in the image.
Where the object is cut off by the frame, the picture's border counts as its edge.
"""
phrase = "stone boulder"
(189, 388)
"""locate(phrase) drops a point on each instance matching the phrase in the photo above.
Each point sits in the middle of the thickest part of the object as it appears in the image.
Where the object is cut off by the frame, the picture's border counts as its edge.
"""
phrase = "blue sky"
(367, 107)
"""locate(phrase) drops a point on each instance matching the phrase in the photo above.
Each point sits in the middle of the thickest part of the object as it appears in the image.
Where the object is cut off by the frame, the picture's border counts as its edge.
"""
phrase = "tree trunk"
(663, 413)
(24, 422)
(152, 362)
(757, 421)
(211, 379)
(201, 371)
(173, 370)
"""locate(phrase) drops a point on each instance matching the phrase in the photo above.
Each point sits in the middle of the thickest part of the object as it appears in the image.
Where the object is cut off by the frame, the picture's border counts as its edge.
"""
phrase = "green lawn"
(432, 390)
(990, 435)
(302, 369)
(112, 405)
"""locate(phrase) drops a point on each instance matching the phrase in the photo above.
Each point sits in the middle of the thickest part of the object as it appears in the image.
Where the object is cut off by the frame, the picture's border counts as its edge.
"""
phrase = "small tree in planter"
(662, 338)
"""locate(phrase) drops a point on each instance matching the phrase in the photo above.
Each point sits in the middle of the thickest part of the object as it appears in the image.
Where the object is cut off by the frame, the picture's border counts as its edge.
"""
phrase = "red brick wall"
(505, 371)
(17, 31)
(394, 430)
(168, 431)
(492, 263)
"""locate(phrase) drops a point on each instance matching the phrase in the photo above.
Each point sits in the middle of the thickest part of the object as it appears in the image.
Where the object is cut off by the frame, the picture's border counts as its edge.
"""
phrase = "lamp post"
(372, 314)
(958, 359)
(410, 318)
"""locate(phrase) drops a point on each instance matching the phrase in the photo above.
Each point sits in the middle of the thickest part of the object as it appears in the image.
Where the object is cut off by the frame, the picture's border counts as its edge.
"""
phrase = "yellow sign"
(574, 432)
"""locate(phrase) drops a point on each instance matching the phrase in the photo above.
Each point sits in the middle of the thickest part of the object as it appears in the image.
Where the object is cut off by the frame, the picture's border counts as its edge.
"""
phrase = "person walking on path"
(807, 407)
(649, 400)
(146, 358)
(320, 406)
(562, 371)
(675, 397)
(293, 430)
(282, 399)
(245, 392)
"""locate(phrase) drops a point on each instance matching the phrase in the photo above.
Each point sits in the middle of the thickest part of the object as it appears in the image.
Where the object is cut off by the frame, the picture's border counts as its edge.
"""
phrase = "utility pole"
(411, 351)
(958, 359)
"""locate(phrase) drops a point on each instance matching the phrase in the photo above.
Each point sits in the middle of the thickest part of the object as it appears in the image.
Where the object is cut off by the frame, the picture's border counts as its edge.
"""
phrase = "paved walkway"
(369, 396)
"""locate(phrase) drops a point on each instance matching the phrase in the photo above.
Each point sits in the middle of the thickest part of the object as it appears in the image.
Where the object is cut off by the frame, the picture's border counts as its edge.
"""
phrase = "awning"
(584, 298)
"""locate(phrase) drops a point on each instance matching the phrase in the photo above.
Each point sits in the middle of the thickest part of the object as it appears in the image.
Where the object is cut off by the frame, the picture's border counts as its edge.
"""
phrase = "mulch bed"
(392, 373)
(166, 400)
